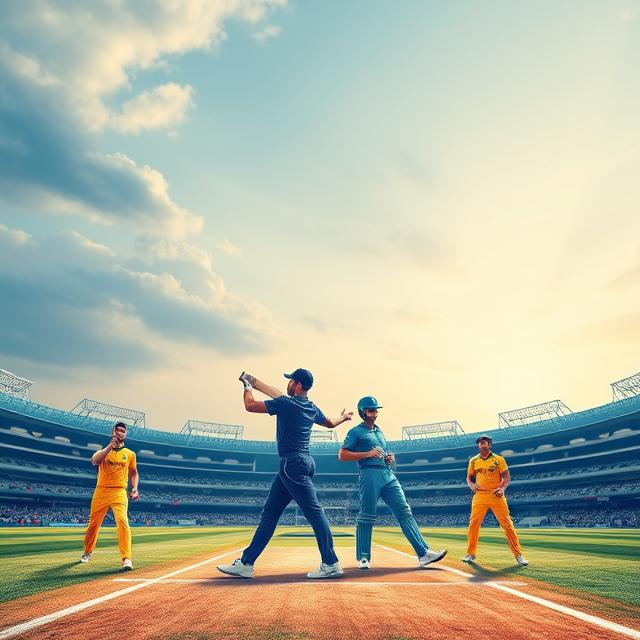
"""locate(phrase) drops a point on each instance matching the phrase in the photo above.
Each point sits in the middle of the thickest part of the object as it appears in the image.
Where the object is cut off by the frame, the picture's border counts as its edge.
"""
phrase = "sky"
(432, 203)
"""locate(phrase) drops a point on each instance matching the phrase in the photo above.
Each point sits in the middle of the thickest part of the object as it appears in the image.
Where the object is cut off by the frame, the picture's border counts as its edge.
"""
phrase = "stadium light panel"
(94, 409)
(626, 388)
(199, 428)
(432, 430)
(323, 435)
(13, 385)
(533, 413)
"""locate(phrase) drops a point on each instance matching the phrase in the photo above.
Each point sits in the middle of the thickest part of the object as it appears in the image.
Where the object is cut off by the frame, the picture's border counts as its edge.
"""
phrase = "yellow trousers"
(117, 499)
(482, 501)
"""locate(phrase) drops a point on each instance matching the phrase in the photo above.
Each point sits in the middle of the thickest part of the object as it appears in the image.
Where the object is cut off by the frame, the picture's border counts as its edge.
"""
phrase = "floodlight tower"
(109, 412)
(13, 385)
(534, 413)
(432, 430)
(213, 430)
(626, 388)
(323, 435)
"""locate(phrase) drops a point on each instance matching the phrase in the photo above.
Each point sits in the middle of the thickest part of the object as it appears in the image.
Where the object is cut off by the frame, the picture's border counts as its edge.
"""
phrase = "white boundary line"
(586, 617)
(38, 622)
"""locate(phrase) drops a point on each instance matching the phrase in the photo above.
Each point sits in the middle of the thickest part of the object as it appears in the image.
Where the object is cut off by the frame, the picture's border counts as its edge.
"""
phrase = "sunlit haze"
(432, 203)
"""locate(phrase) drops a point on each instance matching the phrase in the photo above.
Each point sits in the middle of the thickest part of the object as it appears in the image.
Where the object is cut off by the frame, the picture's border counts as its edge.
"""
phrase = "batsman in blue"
(296, 415)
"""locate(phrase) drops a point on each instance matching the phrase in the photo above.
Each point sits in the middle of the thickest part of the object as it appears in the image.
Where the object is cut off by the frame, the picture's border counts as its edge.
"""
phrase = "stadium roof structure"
(534, 413)
(323, 435)
(212, 430)
(432, 430)
(626, 388)
(627, 410)
(94, 409)
(14, 385)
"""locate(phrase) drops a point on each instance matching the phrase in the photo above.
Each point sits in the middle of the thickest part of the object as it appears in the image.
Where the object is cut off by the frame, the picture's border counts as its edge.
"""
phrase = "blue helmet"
(368, 402)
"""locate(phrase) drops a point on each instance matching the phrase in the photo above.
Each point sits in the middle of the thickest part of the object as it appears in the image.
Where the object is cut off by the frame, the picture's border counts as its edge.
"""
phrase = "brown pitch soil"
(394, 600)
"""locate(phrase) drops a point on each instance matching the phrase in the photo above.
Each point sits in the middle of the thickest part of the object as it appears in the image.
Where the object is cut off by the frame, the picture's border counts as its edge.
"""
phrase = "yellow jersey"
(113, 471)
(487, 471)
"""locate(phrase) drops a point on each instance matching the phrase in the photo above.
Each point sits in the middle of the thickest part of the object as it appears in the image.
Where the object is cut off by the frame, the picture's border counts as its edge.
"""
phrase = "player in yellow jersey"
(116, 466)
(488, 477)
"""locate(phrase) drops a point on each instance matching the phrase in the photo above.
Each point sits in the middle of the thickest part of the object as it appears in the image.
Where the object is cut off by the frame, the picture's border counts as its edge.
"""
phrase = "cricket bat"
(263, 387)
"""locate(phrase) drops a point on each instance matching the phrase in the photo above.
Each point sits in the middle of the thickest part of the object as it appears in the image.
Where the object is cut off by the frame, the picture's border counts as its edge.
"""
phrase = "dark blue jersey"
(295, 417)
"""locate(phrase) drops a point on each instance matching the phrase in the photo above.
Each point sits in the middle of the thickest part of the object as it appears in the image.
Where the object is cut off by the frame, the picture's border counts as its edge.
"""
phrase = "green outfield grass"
(598, 562)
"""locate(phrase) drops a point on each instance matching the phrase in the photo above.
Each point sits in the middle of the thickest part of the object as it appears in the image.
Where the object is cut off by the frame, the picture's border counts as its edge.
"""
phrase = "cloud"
(270, 31)
(68, 72)
(25, 67)
(76, 302)
(227, 247)
(95, 52)
(46, 164)
(14, 237)
(160, 108)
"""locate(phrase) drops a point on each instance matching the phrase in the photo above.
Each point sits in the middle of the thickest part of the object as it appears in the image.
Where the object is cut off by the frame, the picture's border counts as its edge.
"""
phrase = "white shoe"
(127, 565)
(85, 557)
(363, 564)
(468, 558)
(327, 571)
(237, 569)
(522, 561)
(431, 556)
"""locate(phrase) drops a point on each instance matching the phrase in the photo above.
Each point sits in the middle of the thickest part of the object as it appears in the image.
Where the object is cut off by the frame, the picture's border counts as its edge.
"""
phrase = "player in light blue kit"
(366, 444)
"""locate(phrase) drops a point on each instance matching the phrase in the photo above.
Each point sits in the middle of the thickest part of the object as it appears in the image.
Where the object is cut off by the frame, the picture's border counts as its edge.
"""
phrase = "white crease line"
(586, 617)
(38, 622)
(341, 582)
(164, 581)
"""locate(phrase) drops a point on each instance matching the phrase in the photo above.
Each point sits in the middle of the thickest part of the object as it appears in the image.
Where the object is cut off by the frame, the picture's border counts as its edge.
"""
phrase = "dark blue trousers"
(292, 482)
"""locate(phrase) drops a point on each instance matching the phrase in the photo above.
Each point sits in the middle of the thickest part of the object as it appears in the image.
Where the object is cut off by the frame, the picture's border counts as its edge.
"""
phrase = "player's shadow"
(371, 575)
(64, 573)
(486, 572)
(411, 573)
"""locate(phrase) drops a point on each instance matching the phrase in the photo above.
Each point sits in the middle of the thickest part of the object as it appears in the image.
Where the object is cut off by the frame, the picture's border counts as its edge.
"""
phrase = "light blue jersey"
(361, 438)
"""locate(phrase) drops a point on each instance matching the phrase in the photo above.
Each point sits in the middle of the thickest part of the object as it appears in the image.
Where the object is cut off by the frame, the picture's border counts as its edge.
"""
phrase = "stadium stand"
(580, 469)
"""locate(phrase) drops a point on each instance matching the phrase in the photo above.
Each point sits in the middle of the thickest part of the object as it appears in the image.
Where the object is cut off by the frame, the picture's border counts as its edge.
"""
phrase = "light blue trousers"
(375, 483)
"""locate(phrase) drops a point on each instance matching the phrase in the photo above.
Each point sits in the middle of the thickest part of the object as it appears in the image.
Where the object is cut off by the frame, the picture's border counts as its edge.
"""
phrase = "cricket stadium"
(574, 498)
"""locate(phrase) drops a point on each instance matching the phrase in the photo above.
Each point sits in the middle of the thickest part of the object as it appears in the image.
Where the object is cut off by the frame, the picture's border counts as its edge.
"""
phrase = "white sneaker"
(85, 557)
(127, 565)
(522, 561)
(327, 571)
(431, 556)
(237, 569)
(468, 558)
(363, 564)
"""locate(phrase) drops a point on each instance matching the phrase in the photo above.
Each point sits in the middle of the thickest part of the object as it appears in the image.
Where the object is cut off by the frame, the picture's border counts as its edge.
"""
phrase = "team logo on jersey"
(124, 456)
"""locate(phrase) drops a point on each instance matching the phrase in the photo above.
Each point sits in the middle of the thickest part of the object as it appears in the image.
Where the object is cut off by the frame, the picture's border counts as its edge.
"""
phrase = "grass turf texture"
(600, 564)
